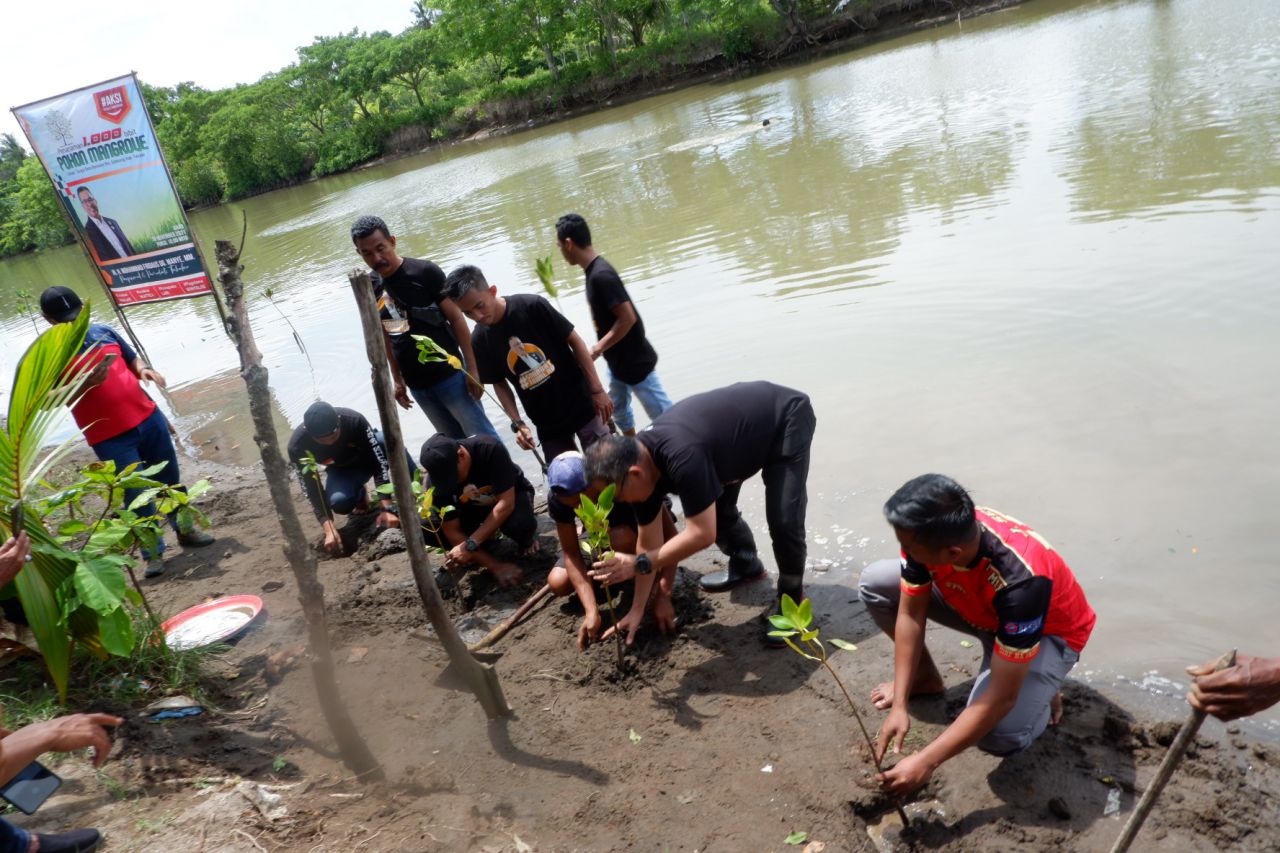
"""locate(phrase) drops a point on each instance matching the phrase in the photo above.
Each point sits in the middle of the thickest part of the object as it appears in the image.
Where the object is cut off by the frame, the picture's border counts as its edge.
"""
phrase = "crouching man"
(990, 576)
(484, 492)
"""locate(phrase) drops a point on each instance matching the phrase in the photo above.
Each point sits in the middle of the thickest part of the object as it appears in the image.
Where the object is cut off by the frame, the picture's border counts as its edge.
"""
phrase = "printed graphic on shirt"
(482, 496)
(529, 363)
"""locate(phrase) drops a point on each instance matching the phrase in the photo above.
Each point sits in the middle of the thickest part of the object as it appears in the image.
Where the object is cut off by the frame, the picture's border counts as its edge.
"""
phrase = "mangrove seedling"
(595, 520)
(311, 468)
(547, 277)
(792, 624)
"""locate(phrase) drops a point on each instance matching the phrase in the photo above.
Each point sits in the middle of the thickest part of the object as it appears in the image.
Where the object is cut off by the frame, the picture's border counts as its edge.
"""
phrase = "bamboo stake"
(511, 621)
(1170, 763)
(481, 677)
(351, 745)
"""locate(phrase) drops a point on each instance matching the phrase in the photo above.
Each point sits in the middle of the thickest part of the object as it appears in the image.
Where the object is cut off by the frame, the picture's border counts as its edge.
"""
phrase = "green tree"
(36, 219)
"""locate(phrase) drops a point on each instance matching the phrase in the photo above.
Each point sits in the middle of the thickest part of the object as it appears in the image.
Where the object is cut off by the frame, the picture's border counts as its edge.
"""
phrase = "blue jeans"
(648, 391)
(13, 839)
(344, 487)
(150, 444)
(452, 410)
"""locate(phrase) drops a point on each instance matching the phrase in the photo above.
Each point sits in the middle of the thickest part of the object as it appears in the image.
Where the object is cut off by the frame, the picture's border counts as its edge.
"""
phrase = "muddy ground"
(713, 743)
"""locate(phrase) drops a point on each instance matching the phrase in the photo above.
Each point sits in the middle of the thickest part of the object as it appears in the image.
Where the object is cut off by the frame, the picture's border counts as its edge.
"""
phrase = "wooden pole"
(481, 677)
(511, 621)
(355, 752)
(1165, 772)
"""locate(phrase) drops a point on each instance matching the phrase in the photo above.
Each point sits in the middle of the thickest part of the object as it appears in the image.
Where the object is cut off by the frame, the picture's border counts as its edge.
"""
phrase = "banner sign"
(100, 151)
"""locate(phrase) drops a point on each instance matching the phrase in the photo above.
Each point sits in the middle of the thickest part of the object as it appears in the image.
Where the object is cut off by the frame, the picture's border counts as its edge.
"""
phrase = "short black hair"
(463, 280)
(935, 508)
(574, 227)
(610, 457)
(367, 225)
(83, 189)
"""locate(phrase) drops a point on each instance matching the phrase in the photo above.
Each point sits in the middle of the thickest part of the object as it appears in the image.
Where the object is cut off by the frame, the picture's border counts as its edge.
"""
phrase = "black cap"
(60, 304)
(439, 459)
(321, 419)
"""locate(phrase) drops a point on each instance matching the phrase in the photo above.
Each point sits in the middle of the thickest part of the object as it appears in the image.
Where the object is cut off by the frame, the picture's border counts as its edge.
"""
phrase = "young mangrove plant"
(311, 468)
(792, 624)
(547, 277)
(595, 520)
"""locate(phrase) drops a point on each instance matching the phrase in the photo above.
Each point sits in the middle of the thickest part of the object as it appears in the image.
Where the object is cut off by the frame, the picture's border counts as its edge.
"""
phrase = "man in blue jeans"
(620, 331)
(121, 423)
(411, 301)
(352, 452)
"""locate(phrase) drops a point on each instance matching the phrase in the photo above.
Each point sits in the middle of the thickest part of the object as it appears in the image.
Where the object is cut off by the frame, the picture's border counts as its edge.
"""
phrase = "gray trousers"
(880, 590)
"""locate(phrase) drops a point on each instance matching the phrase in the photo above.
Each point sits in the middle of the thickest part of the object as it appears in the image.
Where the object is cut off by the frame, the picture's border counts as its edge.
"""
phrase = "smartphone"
(30, 788)
(17, 518)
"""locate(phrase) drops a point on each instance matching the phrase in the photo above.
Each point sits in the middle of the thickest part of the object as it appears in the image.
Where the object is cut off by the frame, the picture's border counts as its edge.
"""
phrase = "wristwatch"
(471, 545)
(516, 425)
(643, 565)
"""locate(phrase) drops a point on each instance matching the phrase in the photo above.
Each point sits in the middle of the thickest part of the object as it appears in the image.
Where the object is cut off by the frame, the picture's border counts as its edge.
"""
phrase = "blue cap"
(566, 475)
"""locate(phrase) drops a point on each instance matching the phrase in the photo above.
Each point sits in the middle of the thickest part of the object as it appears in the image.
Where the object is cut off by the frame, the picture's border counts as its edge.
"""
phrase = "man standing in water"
(988, 575)
(620, 331)
(411, 301)
(702, 449)
(120, 421)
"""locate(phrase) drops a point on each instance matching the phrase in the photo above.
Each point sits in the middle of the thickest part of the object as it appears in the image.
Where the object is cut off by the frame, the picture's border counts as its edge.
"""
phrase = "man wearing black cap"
(119, 420)
(352, 451)
(483, 492)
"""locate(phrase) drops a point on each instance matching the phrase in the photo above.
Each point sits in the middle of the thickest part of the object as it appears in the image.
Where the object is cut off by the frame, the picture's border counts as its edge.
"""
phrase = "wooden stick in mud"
(511, 621)
(1165, 772)
(351, 745)
(482, 678)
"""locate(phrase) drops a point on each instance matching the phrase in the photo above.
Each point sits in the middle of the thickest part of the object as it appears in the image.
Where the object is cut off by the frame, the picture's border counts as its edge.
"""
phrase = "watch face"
(643, 565)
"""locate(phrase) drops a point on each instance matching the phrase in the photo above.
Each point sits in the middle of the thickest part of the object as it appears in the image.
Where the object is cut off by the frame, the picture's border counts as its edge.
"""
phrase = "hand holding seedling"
(618, 568)
(594, 516)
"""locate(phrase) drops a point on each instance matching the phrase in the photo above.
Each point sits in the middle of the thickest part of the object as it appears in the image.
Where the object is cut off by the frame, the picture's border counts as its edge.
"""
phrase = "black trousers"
(785, 501)
(521, 526)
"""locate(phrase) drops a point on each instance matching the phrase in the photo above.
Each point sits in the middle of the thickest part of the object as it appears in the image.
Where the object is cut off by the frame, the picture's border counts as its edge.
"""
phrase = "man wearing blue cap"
(567, 480)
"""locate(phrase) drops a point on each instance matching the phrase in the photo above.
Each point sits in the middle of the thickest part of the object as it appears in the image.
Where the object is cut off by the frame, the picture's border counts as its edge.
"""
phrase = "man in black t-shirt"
(352, 451)
(619, 329)
(411, 301)
(702, 449)
(521, 339)
(486, 492)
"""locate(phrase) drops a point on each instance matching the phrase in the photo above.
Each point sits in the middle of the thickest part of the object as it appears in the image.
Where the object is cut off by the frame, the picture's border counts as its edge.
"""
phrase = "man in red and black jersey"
(119, 420)
(990, 576)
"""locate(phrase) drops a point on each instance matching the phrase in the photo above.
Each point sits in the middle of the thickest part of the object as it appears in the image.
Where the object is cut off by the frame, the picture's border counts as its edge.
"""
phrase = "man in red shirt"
(120, 422)
(990, 576)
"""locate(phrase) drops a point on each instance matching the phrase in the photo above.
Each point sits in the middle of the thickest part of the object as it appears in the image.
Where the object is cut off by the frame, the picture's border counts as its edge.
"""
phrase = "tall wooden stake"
(481, 677)
(355, 752)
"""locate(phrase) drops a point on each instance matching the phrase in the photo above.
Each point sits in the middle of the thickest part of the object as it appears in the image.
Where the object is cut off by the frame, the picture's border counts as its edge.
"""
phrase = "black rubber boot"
(75, 841)
(739, 572)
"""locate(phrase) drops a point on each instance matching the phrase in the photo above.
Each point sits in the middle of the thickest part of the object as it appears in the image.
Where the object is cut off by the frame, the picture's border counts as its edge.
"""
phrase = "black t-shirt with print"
(357, 447)
(492, 473)
(529, 348)
(632, 358)
(713, 439)
(416, 290)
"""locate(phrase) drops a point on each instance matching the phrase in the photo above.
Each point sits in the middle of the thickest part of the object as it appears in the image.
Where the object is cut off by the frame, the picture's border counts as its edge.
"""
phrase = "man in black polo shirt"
(521, 339)
(411, 301)
(619, 329)
(487, 492)
(702, 449)
(352, 451)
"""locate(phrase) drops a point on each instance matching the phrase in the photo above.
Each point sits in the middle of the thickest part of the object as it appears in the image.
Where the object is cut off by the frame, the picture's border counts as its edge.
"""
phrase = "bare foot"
(507, 574)
(882, 695)
(1055, 709)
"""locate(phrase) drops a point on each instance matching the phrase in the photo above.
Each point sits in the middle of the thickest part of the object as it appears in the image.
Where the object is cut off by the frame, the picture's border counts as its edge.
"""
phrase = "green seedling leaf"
(116, 630)
(795, 839)
(386, 489)
(278, 764)
(843, 644)
(808, 636)
(790, 610)
(100, 584)
(782, 633)
(634, 736)
(781, 622)
(804, 615)
(586, 549)
(800, 651)
(198, 488)
(545, 275)
(966, 644)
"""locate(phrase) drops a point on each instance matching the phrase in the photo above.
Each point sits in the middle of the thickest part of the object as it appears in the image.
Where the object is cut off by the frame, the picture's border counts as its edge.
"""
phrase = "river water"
(1036, 251)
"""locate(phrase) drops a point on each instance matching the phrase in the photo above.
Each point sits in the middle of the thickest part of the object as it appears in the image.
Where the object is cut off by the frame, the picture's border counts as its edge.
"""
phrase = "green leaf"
(790, 611)
(116, 631)
(782, 622)
(198, 488)
(782, 633)
(546, 276)
(796, 838)
(71, 528)
(800, 651)
(843, 644)
(586, 548)
(805, 614)
(100, 584)
(386, 489)
(144, 497)
(808, 636)
(605, 502)
(634, 736)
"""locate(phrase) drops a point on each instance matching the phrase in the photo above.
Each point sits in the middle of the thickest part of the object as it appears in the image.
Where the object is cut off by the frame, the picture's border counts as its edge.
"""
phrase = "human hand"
(616, 569)
(332, 541)
(894, 729)
(148, 374)
(1252, 685)
(524, 437)
(664, 613)
(14, 554)
(602, 404)
(589, 630)
(460, 555)
(387, 519)
(907, 775)
(628, 626)
(596, 352)
(476, 389)
(74, 731)
(402, 396)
